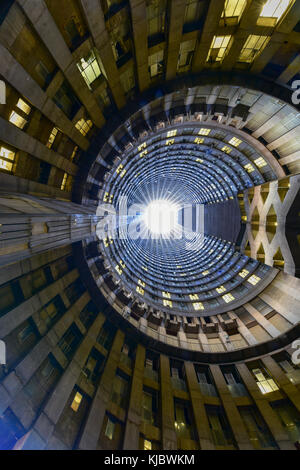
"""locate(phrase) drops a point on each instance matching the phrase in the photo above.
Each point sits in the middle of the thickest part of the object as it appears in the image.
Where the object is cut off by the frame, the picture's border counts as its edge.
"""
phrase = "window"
(204, 131)
(23, 106)
(166, 295)
(76, 402)
(253, 279)
(167, 303)
(84, 126)
(233, 9)
(7, 158)
(198, 306)
(147, 445)
(235, 142)
(260, 162)
(226, 149)
(249, 167)
(172, 133)
(156, 63)
(64, 182)
(110, 429)
(227, 297)
(89, 68)
(243, 273)
(25, 333)
(219, 48)
(273, 9)
(221, 289)
(186, 53)
(52, 137)
(140, 290)
(253, 47)
(17, 120)
(198, 140)
(264, 382)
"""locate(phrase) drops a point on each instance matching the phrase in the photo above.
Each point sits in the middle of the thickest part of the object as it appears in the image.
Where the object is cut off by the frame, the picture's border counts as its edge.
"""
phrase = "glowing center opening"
(161, 217)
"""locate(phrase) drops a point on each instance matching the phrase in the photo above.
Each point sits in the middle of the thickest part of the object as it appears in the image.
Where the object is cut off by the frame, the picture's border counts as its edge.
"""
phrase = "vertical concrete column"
(285, 384)
(237, 425)
(40, 434)
(132, 431)
(269, 415)
(94, 422)
(243, 330)
(262, 321)
(200, 417)
(169, 438)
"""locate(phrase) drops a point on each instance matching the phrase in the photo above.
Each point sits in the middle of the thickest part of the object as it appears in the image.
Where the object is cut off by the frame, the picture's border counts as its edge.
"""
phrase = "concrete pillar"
(92, 429)
(132, 429)
(169, 438)
(200, 417)
(237, 425)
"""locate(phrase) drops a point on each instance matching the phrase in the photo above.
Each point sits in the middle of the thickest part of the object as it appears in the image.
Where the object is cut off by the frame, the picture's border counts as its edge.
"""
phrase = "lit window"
(105, 197)
(198, 140)
(249, 167)
(260, 162)
(253, 279)
(194, 296)
(76, 402)
(142, 154)
(168, 303)
(144, 268)
(172, 133)
(122, 264)
(166, 295)
(84, 126)
(198, 306)
(140, 290)
(147, 445)
(52, 137)
(218, 49)
(89, 68)
(233, 9)
(227, 297)
(253, 47)
(64, 182)
(264, 383)
(204, 131)
(119, 169)
(205, 273)
(142, 146)
(274, 9)
(17, 120)
(235, 142)
(110, 429)
(226, 149)
(23, 106)
(221, 289)
(243, 273)
(141, 283)
(122, 173)
(199, 160)
(118, 269)
(75, 150)
(170, 141)
(7, 158)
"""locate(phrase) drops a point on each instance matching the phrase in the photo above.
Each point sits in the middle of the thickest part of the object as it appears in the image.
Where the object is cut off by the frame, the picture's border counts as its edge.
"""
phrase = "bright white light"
(161, 217)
